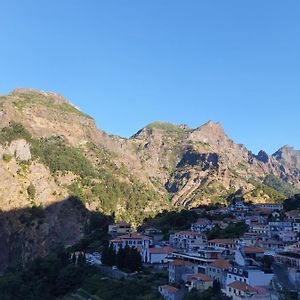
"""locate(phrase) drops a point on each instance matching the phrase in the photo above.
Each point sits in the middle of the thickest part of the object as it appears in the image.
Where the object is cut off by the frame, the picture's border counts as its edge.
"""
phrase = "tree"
(120, 257)
(73, 259)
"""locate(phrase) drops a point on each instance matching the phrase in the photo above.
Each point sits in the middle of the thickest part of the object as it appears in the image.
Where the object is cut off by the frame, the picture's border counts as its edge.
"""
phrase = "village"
(263, 263)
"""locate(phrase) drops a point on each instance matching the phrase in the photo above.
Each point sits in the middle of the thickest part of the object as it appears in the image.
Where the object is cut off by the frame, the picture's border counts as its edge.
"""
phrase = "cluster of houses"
(238, 265)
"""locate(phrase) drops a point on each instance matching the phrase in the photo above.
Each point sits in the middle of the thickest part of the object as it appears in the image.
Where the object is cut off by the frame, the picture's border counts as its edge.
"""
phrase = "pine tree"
(120, 258)
(111, 255)
(73, 259)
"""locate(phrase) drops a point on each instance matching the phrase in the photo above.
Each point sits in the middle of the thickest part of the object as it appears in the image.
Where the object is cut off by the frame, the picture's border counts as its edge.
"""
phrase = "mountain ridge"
(51, 151)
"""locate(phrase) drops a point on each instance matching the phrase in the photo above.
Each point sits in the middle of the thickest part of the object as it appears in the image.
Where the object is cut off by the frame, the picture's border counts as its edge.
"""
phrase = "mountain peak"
(53, 97)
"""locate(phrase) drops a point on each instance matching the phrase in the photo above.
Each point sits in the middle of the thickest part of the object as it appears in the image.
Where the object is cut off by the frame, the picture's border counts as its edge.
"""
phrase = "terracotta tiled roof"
(249, 250)
(242, 286)
(222, 241)
(134, 237)
(221, 264)
(179, 262)
(199, 276)
(169, 288)
(161, 250)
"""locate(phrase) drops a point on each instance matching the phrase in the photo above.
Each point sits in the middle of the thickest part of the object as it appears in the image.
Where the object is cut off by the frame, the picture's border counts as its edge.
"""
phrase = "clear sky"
(131, 62)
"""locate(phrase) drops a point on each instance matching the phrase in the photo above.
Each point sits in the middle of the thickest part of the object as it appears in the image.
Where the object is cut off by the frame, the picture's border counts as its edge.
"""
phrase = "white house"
(240, 291)
(187, 239)
(119, 228)
(250, 275)
(138, 241)
(155, 255)
(202, 225)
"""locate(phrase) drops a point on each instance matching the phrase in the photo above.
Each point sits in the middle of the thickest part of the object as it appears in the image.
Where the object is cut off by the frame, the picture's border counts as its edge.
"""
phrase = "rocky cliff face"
(50, 150)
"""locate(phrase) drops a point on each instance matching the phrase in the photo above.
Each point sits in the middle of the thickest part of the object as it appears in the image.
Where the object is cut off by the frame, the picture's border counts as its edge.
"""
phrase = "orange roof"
(161, 250)
(199, 276)
(221, 264)
(222, 241)
(169, 288)
(242, 286)
(179, 262)
(134, 237)
(250, 250)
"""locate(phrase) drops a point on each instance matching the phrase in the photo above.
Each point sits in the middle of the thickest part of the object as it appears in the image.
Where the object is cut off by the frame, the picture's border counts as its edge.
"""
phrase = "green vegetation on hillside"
(58, 156)
(27, 99)
(279, 185)
(100, 182)
(172, 220)
(165, 126)
(233, 230)
(57, 276)
(13, 132)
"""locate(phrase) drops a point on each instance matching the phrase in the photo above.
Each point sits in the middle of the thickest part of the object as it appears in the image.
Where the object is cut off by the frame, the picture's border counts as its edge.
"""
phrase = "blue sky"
(128, 63)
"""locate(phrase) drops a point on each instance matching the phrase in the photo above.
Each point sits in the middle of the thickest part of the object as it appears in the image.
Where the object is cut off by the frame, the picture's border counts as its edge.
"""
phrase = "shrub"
(6, 157)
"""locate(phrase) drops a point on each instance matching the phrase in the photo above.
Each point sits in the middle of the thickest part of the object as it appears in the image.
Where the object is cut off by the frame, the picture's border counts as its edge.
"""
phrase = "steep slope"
(51, 151)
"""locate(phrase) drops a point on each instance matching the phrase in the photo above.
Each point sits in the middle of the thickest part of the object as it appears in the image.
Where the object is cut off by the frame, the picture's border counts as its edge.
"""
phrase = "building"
(199, 282)
(155, 255)
(239, 291)
(251, 275)
(217, 270)
(169, 292)
(262, 229)
(271, 245)
(187, 239)
(201, 257)
(287, 236)
(293, 215)
(296, 226)
(138, 241)
(256, 253)
(178, 268)
(202, 225)
(291, 259)
(119, 228)
(269, 206)
(223, 243)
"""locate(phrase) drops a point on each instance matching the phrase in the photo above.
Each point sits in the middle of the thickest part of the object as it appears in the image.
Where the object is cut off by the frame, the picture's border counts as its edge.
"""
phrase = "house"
(119, 228)
(239, 206)
(291, 259)
(199, 282)
(271, 245)
(157, 255)
(178, 268)
(132, 240)
(250, 239)
(287, 236)
(201, 256)
(169, 292)
(296, 226)
(217, 270)
(187, 239)
(155, 233)
(202, 225)
(223, 243)
(269, 206)
(239, 290)
(254, 252)
(251, 275)
(293, 215)
(262, 229)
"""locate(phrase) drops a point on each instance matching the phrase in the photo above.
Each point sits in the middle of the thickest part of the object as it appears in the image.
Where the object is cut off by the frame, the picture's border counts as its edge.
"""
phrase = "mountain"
(51, 151)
